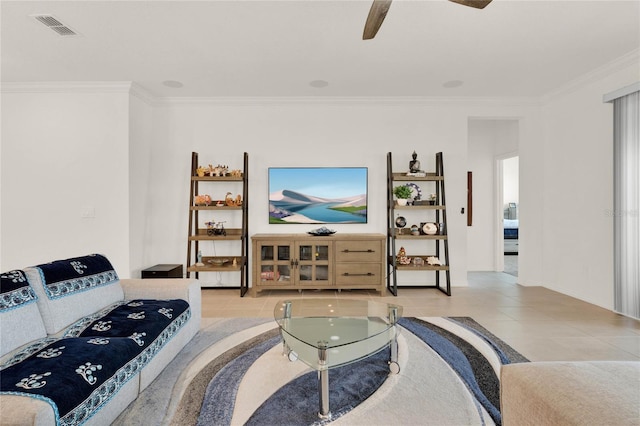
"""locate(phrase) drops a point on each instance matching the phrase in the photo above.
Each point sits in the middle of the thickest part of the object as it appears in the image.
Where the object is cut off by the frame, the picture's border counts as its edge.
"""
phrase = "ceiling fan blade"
(478, 4)
(377, 13)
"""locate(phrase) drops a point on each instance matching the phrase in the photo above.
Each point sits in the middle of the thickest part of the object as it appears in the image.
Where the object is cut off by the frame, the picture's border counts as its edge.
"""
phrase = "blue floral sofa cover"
(77, 344)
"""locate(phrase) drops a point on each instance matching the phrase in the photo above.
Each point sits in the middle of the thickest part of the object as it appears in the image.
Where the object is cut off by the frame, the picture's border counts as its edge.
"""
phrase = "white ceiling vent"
(54, 24)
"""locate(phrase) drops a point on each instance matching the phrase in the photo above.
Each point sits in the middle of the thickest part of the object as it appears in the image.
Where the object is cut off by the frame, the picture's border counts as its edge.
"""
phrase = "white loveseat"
(72, 325)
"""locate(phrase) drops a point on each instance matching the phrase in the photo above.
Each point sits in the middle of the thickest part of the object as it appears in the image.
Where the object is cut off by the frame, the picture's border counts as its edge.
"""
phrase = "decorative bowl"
(321, 231)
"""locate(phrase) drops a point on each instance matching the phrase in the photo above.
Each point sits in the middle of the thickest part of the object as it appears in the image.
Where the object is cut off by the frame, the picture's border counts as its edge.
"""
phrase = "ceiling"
(265, 48)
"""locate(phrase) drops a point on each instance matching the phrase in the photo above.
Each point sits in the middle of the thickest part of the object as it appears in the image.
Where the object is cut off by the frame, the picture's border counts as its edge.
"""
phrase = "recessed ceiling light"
(319, 84)
(453, 84)
(173, 84)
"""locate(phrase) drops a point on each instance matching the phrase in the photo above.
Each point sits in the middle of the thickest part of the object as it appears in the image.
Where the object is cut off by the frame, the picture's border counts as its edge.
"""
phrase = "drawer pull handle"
(368, 274)
(358, 251)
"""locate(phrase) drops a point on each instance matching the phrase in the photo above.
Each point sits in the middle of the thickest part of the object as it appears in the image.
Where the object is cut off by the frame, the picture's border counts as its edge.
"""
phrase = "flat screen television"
(317, 195)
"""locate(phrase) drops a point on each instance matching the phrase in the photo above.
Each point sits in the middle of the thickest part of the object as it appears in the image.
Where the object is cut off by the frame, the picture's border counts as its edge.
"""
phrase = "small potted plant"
(402, 193)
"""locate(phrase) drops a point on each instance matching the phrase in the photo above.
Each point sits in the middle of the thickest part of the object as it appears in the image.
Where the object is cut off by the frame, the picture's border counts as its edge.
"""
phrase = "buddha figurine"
(414, 165)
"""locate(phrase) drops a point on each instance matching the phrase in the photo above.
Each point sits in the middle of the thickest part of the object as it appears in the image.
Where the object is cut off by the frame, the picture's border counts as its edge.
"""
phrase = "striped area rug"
(234, 373)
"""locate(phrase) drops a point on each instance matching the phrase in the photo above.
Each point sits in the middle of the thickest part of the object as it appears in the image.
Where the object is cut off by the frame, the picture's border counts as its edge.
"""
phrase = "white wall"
(531, 156)
(1, 191)
(140, 158)
(488, 140)
(577, 178)
(64, 151)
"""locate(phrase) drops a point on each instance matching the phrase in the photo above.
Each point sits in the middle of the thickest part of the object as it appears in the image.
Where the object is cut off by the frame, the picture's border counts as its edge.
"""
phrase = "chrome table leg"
(323, 381)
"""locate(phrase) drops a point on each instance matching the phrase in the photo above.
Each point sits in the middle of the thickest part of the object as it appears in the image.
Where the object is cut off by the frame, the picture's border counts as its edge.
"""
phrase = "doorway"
(490, 140)
(510, 213)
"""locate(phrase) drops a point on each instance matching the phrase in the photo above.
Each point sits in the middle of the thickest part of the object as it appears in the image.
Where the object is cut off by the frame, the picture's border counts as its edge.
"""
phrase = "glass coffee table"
(328, 333)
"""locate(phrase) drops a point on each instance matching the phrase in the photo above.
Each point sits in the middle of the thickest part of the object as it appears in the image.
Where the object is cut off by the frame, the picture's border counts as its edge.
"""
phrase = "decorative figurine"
(219, 170)
(402, 257)
(401, 222)
(215, 228)
(414, 165)
(432, 260)
(418, 261)
(203, 200)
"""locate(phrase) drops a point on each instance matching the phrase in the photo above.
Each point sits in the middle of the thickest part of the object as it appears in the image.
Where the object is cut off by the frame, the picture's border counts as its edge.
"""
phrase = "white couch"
(36, 313)
(580, 393)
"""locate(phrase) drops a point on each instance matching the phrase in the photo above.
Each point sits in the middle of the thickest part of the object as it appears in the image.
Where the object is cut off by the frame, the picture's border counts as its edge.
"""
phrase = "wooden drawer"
(358, 274)
(359, 251)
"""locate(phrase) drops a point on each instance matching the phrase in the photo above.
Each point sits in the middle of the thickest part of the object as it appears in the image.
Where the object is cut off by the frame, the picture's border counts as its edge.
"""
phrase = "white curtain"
(626, 207)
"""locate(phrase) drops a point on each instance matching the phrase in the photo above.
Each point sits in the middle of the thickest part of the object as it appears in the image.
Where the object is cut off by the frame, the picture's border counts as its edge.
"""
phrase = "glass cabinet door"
(275, 263)
(313, 263)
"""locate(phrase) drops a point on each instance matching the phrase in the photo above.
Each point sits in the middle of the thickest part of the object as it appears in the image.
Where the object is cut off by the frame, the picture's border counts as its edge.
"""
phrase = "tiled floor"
(511, 265)
(541, 324)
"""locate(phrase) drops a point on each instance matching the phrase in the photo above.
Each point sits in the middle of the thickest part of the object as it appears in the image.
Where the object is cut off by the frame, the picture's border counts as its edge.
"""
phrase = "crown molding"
(143, 94)
(129, 87)
(349, 101)
(67, 87)
(149, 98)
(618, 64)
